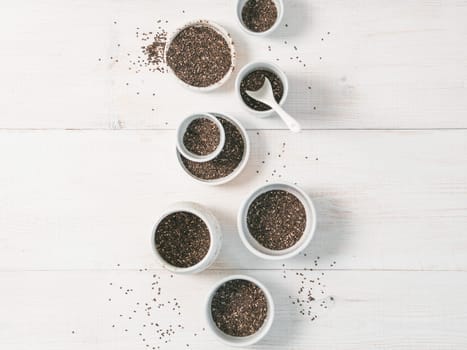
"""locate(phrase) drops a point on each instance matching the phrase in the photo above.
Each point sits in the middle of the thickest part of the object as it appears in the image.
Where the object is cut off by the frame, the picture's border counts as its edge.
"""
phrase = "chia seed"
(239, 308)
(201, 137)
(226, 162)
(254, 81)
(199, 56)
(259, 15)
(182, 239)
(276, 219)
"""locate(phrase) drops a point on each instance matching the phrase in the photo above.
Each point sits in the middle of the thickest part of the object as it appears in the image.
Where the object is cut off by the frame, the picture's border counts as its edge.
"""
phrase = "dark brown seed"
(155, 51)
(239, 308)
(199, 56)
(254, 81)
(259, 15)
(182, 239)
(201, 137)
(226, 162)
(276, 219)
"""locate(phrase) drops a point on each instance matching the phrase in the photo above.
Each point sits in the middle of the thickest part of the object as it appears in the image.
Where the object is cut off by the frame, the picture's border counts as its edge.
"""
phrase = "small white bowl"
(280, 14)
(241, 165)
(181, 130)
(225, 35)
(259, 250)
(261, 65)
(240, 341)
(214, 232)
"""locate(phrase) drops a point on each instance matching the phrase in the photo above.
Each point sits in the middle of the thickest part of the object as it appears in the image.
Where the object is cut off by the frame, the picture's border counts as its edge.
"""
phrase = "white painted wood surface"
(385, 199)
(370, 310)
(397, 64)
(384, 158)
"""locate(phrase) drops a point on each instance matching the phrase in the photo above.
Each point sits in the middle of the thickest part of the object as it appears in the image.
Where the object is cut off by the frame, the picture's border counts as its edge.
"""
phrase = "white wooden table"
(87, 165)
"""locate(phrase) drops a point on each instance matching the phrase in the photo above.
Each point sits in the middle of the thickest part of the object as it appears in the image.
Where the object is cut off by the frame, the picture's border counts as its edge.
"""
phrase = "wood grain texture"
(398, 64)
(87, 164)
(369, 310)
(89, 199)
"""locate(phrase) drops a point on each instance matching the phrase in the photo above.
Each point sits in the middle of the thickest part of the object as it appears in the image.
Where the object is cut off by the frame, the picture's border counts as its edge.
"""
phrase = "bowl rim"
(266, 65)
(207, 217)
(240, 341)
(300, 245)
(219, 29)
(181, 130)
(280, 16)
(241, 166)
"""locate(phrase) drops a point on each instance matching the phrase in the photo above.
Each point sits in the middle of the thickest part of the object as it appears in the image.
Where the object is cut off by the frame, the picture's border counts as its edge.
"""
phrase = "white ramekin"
(280, 14)
(225, 35)
(268, 66)
(240, 341)
(254, 246)
(181, 130)
(241, 165)
(214, 232)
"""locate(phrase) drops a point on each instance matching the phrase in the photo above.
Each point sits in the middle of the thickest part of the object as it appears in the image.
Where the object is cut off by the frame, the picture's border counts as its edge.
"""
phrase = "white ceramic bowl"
(240, 341)
(181, 130)
(225, 35)
(259, 250)
(268, 66)
(241, 165)
(214, 232)
(280, 14)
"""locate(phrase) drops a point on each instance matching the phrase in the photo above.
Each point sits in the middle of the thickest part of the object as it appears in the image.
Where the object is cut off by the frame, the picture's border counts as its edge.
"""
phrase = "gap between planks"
(248, 129)
(239, 269)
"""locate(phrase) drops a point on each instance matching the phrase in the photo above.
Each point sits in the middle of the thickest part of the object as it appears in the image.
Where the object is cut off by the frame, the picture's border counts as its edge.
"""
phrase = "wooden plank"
(89, 199)
(398, 64)
(365, 310)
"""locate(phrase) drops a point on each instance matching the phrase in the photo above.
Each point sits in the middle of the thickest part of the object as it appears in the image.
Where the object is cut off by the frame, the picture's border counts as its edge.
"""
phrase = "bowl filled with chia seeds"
(239, 310)
(200, 137)
(251, 78)
(187, 238)
(229, 163)
(260, 17)
(201, 54)
(277, 221)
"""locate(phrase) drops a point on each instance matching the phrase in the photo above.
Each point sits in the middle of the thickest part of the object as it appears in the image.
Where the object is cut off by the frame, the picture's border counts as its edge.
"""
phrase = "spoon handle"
(290, 121)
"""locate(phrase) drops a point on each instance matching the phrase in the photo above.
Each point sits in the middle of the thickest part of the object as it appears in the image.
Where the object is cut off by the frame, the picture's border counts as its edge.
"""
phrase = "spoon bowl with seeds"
(251, 77)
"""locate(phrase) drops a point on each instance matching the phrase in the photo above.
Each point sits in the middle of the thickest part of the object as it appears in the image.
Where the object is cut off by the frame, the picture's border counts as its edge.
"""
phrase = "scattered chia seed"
(201, 137)
(199, 56)
(254, 81)
(226, 162)
(239, 308)
(276, 219)
(155, 51)
(182, 239)
(259, 15)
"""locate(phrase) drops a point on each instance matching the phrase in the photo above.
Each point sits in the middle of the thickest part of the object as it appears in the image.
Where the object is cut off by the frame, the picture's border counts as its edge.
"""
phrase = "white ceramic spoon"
(266, 95)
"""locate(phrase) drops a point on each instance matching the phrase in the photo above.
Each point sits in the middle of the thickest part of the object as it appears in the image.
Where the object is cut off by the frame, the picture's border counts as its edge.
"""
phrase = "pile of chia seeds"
(259, 15)
(226, 162)
(182, 239)
(201, 137)
(276, 219)
(254, 81)
(239, 308)
(199, 56)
